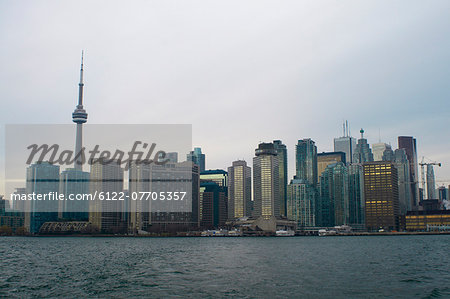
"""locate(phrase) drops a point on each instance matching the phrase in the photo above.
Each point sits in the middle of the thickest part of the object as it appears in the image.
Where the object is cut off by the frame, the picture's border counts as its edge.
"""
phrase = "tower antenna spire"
(79, 116)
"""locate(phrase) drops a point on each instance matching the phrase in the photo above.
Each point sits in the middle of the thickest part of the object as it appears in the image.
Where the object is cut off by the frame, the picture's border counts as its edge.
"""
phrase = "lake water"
(297, 267)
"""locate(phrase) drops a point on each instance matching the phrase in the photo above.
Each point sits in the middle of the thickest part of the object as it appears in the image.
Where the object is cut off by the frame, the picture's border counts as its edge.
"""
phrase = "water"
(343, 267)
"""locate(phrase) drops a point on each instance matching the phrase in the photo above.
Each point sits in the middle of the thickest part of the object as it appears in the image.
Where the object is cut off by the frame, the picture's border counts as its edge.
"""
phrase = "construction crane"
(422, 171)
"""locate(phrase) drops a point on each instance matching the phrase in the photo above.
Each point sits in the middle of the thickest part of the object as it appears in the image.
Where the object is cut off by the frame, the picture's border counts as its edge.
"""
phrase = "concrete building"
(239, 190)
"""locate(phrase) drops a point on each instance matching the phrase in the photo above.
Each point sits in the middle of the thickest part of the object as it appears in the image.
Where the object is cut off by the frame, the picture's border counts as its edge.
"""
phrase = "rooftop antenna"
(379, 135)
(346, 125)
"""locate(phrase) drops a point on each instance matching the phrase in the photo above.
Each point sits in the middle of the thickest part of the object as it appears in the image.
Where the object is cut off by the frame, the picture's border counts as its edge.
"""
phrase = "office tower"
(213, 200)
(301, 198)
(163, 178)
(378, 150)
(325, 159)
(388, 155)
(42, 178)
(409, 145)
(363, 152)
(333, 205)
(218, 176)
(12, 219)
(431, 183)
(356, 197)
(306, 161)
(172, 157)
(79, 116)
(283, 173)
(381, 195)
(404, 187)
(106, 178)
(19, 205)
(197, 157)
(345, 144)
(239, 190)
(442, 193)
(139, 181)
(74, 182)
(266, 182)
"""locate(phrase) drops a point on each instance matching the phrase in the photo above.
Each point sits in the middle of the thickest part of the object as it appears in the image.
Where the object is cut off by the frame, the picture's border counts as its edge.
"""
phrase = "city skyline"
(158, 74)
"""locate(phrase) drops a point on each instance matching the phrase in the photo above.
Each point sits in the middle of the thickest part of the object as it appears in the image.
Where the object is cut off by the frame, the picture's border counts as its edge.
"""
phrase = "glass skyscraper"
(306, 161)
(301, 199)
(363, 153)
(198, 158)
(408, 143)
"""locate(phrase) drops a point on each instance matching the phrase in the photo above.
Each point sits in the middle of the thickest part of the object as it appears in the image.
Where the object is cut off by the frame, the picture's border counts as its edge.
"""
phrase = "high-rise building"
(333, 204)
(79, 116)
(106, 178)
(409, 145)
(431, 183)
(325, 159)
(266, 182)
(363, 153)
(239, 190)
(301, 199)
(139, 180)
(381, 196)
(404, 186)
(306, 161)
(345, 144)
(283, 173)
(72, 182)
(42, 178)
(218, 176)
(378, 150)
(356, 197)
(388, 155)
(213, 200)
(198, 158)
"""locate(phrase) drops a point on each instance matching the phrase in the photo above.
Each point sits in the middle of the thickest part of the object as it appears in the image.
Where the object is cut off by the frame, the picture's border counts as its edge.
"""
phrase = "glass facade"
(239, 190)
(301, 198)
(283, 174)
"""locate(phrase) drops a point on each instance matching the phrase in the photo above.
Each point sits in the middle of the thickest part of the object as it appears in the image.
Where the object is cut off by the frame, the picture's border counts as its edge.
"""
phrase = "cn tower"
(79, 116)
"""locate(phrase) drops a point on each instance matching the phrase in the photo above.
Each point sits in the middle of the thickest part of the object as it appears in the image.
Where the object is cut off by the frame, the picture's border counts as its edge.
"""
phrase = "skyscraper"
(345, 144)
(301, 199)
(74, 181)
(356, 199)
(306, 161)
(213, 200)
(42, 178)
(283, 173)
(404, 186)
(266, 182)
(79, 116)
(431, 183)
(408, 143)
(106, 178)
(381, 195)
(325, 159)
(333, 205)
(198, 158)
(378, 150)
(239, 190)
(363, 153)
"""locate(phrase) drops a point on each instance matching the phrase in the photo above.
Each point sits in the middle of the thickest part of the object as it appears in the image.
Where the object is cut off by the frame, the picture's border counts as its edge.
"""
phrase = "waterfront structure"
(283, 174)
(42, 178)
(301, 199)
(79, 116)
(74, 182)
(239, 190)
(13, 219)
(106, 178)
(324, 159)
(266, 182)
(381, 196)
(363, 153)
(306, 161)
(356, 200)
(138, 182)
(198, 158)
(378, 150)
(333, 204)
(408, 143)
(435, 220)
(213, 200)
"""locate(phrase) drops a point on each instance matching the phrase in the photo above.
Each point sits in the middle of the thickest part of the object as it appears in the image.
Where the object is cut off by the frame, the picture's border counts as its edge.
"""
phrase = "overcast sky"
(240, 72)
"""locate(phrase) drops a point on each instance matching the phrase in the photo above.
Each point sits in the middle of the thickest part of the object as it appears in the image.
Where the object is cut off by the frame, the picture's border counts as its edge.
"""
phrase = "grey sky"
(240, 72)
